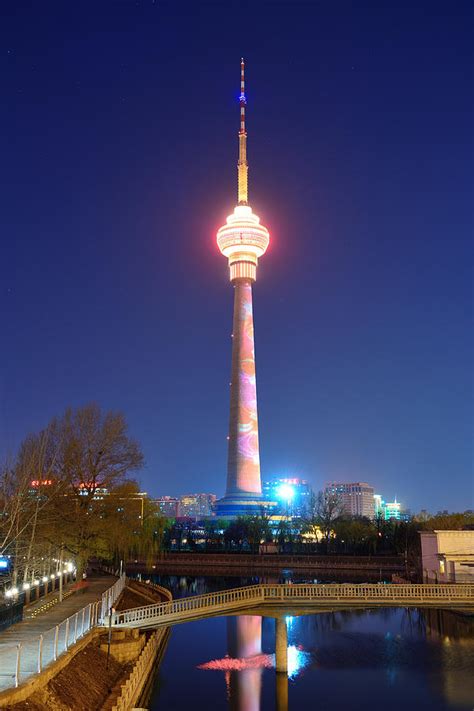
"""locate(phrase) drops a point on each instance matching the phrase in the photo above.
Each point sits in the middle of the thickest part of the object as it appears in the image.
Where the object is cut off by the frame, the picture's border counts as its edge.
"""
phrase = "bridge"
(305, 596)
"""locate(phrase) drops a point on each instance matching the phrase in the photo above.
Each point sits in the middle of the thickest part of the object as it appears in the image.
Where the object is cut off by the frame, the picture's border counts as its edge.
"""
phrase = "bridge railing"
(367, 591)
(24, 659)
(255, 595)
(181, 606)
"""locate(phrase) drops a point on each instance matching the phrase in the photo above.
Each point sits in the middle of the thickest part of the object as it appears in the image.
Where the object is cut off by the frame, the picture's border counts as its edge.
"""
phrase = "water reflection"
(244, 662)
(244, 640)
(400, 658)
(454, 632)
(298, 659)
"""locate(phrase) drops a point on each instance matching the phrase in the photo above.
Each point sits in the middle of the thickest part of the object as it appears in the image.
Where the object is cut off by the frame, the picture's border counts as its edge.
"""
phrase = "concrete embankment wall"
(137, 686)
(222, 562)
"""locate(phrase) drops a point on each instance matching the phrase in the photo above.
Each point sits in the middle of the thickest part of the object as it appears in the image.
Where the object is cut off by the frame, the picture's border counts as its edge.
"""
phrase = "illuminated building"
(42, 488)
(292, 495)
(357, 498)
(196, 506)
(389, 511)
(392, 510)
(167, 505)
(243, 240)
(130, 504)
(378, 506)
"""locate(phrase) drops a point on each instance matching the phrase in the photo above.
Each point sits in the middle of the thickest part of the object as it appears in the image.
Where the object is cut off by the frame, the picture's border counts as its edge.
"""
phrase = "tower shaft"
(243, 463)
(243, 240)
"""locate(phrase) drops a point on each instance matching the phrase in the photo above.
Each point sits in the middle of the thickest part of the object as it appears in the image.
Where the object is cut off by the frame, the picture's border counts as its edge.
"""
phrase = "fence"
(256, 595)
(417, 593)
(139, 616)
(22, 660)
(11, 612)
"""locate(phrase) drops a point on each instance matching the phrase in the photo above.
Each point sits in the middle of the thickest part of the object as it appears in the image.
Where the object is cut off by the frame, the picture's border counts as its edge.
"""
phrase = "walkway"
(40, 639)
(304, 595)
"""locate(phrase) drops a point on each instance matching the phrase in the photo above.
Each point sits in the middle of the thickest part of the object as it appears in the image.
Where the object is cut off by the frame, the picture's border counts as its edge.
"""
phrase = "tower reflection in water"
(244, 642)
(245, 662)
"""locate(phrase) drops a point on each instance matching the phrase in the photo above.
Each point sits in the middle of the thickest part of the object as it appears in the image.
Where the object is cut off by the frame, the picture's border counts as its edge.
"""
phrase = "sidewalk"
(28, 631)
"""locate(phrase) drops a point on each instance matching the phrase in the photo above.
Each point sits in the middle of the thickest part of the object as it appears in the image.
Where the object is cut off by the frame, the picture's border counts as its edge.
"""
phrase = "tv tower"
(242, 240)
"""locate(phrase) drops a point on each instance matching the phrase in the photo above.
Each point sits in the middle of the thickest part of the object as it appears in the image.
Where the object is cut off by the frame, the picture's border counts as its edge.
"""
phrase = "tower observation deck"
(243, 240)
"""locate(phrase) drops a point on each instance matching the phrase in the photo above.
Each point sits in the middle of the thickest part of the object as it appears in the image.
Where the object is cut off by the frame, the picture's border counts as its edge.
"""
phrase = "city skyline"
(118, 164)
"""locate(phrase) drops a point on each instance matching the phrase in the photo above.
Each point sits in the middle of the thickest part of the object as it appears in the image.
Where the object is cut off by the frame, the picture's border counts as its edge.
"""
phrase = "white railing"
(371, 592)
(227, 600)
(22, 660)
(197, 603)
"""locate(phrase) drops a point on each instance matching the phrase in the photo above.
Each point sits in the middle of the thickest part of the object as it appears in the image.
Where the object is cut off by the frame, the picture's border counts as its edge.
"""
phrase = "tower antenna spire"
(242, 166)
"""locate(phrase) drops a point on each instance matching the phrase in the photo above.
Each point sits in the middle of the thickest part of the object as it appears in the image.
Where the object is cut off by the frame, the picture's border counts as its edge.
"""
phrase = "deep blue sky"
(119, 147)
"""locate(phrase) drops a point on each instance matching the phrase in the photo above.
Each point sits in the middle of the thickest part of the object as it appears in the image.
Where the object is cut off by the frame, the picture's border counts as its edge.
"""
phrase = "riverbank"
(88, 678)
(225, 563)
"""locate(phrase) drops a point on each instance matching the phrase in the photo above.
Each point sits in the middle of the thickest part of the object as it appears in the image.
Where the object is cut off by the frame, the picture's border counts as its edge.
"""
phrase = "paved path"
(29, 630)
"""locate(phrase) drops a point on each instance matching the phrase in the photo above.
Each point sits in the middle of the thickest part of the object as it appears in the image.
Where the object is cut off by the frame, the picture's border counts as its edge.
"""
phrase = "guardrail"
(208, 602)
(224, 601)
(24, 659)
(370, 592)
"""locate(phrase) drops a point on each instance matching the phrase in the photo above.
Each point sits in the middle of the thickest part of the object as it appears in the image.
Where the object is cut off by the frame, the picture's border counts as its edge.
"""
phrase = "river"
(391, 658)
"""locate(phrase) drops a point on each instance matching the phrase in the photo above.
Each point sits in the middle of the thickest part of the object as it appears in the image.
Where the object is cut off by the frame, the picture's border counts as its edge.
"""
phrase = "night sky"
(118, 162)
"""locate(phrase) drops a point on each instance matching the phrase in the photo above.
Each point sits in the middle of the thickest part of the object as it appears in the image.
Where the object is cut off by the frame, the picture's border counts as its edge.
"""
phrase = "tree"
(323, 510)
(258, 530)
(236, 533)
(212, 535)
(26, 492)
(445, 521)
(61, 492)
(357, 535)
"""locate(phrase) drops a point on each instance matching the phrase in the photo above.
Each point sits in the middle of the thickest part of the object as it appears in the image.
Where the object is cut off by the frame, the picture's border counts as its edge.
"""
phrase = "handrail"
(48, 646)
(196, 602)
(224, 600)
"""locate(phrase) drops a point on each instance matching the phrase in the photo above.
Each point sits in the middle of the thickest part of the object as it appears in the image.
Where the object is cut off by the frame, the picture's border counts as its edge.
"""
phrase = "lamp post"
(61, 574)
(111, 612)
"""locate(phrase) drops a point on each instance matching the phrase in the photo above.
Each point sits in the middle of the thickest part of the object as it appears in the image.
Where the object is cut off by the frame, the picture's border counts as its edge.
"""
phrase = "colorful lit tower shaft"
(243, 240)
(243, 464)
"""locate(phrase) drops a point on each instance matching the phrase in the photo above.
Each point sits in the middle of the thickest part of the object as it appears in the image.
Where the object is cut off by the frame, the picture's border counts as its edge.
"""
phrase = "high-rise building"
(243, 240)
(379, 503)
(196, 506)
(291, 494)
(167, 505)
(357, 498)
(392, 510)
